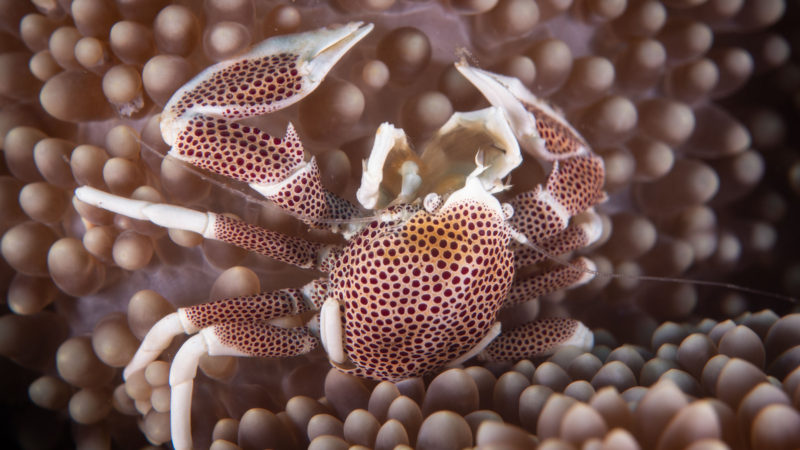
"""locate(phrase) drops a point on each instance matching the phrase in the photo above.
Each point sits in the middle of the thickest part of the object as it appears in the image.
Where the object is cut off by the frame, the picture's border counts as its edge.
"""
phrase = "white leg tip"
(155, 341)
(180, 415)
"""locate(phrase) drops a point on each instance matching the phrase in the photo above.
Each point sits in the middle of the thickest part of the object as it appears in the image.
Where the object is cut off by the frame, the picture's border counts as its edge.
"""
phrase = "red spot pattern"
(236, 151)
(421, 294)
(318, 292)
(259, 308)
(339, 208)
(576, 183)
(558, 139)
(535, 218)
(304, 196)
(572, 238)
(244, 88)
(287, 249)
(547, 281)
(264, 340)
(531, 339)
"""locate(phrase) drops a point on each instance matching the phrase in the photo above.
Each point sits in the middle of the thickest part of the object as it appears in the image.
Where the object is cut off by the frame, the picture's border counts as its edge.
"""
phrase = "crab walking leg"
(255, 339)
(574, 237)
(584, 230)
(579, 271)
(573, 186)
(284, 248)
(191, 319)
(542, 337)
(274, 74)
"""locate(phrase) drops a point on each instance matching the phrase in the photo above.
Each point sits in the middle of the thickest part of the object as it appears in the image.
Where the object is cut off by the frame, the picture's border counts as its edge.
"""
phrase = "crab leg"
(576, 183)
(235, 327)
(255, 339)
(539, 338)
(579, 271)
(197, 121)
(189, 320)
(573, 186)
(284, 248)
(584, 230)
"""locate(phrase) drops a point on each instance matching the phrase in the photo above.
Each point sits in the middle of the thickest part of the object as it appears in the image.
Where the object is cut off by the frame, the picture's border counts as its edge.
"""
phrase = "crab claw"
(538, 127)
(199, 120)
(272, 75)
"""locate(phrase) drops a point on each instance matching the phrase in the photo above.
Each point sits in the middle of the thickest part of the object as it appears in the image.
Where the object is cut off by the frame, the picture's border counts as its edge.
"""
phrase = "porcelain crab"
(420, 281)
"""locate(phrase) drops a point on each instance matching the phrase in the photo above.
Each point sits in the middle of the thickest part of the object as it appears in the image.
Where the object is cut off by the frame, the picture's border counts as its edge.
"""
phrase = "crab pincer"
(546, 215)
(274, 74)
(198, 121)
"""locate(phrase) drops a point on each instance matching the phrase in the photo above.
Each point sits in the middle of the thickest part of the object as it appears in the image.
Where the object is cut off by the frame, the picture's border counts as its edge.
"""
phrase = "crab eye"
(508, 210)
(431, 202)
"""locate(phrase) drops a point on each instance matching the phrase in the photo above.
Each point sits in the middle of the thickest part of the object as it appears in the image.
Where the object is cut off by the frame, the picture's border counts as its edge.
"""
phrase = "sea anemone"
(688, 102)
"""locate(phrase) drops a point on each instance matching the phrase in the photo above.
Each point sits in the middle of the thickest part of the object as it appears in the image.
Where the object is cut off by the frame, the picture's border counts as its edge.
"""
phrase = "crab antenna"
(720, 284)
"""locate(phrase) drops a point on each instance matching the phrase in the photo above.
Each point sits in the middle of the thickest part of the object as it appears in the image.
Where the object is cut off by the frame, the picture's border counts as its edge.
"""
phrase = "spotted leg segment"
(583, 230)
(284, 248)
(539, 338)
(579, 271)
(198, 124)
(254, 339)
(253, 308)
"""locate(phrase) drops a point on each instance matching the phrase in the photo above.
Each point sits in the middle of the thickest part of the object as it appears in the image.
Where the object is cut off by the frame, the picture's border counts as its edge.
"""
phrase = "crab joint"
(168, 216)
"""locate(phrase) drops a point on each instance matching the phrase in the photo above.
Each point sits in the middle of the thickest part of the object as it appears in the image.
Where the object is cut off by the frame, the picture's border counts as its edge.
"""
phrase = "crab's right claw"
(272, 75)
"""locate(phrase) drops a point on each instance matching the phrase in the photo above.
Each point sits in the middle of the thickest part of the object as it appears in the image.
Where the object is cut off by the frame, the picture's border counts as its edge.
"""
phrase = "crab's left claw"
(539, 129)
(272, 75)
